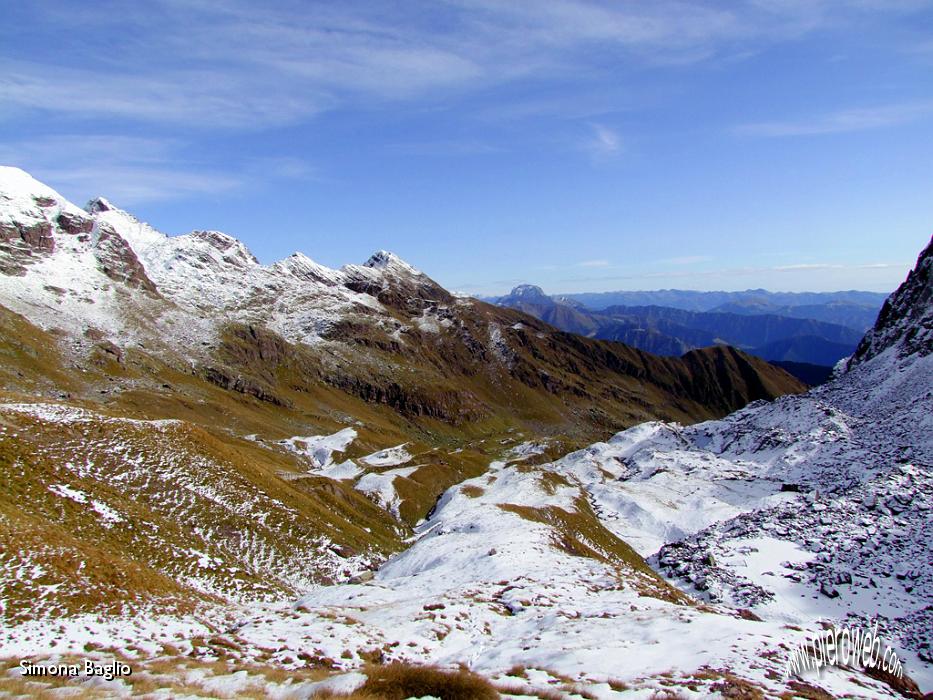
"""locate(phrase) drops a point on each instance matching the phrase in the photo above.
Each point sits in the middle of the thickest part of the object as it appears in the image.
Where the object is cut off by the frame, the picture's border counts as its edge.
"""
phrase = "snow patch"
(388, 457)
(319, 449)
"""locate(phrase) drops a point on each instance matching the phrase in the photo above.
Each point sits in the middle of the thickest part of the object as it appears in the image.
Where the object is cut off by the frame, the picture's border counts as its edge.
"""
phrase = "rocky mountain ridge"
(904, 319)
(199, 297)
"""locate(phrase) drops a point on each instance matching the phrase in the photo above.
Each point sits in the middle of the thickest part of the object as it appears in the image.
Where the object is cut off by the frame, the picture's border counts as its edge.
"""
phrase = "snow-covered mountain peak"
(300, 266)
(96, 253)
(17, 182)
(232, 250)
(61, 267)
(394, 282)
(381, 258)
(23, 197)
(140, 235)
(384, 260)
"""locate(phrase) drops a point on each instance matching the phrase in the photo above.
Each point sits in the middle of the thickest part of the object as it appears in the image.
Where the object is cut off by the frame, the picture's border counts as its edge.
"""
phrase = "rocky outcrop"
(449, 405)
(73, 224)
(226, 378)
(395, 283)
(118, 261)
(22, 244)
(233, 251)
(906, 319)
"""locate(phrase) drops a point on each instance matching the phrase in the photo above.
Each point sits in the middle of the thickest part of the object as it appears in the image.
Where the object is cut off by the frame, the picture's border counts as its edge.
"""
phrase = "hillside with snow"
(261, 480)
(810, 508)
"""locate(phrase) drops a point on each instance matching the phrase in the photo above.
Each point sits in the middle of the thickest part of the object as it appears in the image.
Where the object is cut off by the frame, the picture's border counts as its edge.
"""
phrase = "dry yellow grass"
(399, 681)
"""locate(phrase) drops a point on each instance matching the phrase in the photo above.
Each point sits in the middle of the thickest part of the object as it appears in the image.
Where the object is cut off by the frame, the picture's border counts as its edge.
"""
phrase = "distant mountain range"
(854, 309)
(794, 333)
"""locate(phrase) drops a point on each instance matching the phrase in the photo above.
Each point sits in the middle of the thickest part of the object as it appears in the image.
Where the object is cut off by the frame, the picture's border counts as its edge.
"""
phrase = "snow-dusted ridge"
(209, 275)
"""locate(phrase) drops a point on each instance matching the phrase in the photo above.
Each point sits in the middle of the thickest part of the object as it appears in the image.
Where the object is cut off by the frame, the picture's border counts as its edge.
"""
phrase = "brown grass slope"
(534, 377)
(456, 388)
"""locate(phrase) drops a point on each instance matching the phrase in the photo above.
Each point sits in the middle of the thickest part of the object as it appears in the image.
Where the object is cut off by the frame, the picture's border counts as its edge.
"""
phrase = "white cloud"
(131, 185)
(593, 263)
(200, 98)
(843, 121)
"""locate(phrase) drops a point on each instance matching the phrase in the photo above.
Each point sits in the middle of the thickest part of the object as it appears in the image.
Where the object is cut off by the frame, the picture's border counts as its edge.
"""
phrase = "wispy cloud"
(735, 272)
(129, 186)
(813, 267)
(686, 260)
(134, 170)
(603, 142)
(843, 121)
(199, 98)
(594, 263)
(233, 64)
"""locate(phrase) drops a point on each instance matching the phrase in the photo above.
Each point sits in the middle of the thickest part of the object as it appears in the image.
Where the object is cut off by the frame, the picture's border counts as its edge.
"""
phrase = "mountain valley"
(251, 480)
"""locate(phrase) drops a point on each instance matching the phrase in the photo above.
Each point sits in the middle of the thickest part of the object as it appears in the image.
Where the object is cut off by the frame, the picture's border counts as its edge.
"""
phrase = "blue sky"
(579, 145)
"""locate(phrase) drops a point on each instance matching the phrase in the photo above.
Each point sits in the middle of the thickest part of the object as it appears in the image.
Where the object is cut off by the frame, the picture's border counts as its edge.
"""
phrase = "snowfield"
(389, 457)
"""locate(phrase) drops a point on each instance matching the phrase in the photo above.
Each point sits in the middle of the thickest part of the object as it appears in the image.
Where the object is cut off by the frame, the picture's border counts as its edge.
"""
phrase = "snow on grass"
(319, 449)
(381, 487)
(340, 683)
(160, 465)
(343, 471)
(484, 586)
(108, 516)
(67, 492)
(389, 457)
(526, 450)
(816, 507)
(146, 630)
